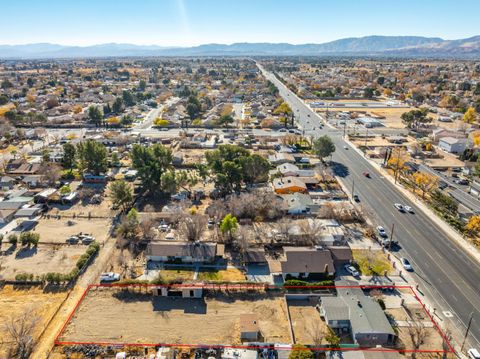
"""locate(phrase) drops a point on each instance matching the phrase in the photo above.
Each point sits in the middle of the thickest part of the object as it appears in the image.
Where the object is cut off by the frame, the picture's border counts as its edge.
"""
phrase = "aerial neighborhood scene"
(240, 179)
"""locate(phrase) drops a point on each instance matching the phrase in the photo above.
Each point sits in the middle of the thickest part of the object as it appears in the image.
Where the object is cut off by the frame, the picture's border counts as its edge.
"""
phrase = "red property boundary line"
(249, 286)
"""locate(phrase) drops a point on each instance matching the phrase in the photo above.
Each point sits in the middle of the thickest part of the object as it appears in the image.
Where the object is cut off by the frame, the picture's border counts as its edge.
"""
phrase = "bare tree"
(50, 172)
(316, 333)
(311, 231)
(146, 227)
(192, 227)
(20, 330)
(418, 334)
(243, 237)
(282, 229)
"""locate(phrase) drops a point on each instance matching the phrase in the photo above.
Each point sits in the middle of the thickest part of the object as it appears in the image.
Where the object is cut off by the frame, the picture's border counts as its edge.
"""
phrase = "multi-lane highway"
(447, 275)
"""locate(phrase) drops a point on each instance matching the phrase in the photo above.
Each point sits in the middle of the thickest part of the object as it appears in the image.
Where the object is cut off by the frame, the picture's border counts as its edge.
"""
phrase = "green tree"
(13, 239)
(142, 85)
(255, 169)
(3, 100)
(95, 115)
(92, 157)
(323, 147)
(225, 120)
(68, 158)
(29, 238)
(229, 225)
(128, 98)
(151, 162)
(368, 92)
(117, 106)
(332, 338)
(126, 120)
(169, 182)
(414, 118)
(65, 190)
(300, 352)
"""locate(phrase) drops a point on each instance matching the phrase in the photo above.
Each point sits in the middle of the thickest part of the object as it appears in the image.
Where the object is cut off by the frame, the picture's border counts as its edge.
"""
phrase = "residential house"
(6, 215)
(184, 252)
(291, 170)
(351, 311)
(6, 183)
(300, 203)
(453, 145)
(305, 262)
(255, 256)
(281, 157)
(286, 185)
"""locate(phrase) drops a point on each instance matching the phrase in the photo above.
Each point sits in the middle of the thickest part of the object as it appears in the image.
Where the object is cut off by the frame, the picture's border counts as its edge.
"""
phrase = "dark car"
(356, 198)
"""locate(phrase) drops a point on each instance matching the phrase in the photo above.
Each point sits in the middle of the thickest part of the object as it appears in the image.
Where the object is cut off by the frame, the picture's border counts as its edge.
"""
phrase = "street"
(446, 274)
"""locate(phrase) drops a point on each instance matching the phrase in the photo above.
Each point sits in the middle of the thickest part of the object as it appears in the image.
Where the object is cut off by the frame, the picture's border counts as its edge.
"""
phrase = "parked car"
(86, 239)
(210, 223)
(473, 353)
(180, 196)
(399, 207)
(109, 277)
(406, 264)
(381, 232)
(72, 240)
(352, 270)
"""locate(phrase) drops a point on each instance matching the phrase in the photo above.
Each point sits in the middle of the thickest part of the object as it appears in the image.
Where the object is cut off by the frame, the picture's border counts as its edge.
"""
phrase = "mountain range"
(390, 46)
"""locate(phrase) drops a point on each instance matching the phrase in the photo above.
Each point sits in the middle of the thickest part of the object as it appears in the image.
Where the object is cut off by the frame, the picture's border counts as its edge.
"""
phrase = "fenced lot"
(119, 315)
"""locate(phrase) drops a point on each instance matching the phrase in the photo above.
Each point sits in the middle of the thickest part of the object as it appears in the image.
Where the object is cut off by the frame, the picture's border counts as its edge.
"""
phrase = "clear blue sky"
(193, 22)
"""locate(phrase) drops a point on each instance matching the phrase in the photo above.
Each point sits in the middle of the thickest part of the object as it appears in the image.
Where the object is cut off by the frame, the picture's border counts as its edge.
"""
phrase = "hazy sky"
(193, 22)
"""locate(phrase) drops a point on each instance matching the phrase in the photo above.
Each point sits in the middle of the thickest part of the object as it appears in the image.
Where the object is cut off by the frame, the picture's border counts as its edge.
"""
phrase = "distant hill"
(415, 46)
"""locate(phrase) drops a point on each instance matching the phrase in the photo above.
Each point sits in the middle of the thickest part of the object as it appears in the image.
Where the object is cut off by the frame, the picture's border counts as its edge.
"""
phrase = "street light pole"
(391, 237)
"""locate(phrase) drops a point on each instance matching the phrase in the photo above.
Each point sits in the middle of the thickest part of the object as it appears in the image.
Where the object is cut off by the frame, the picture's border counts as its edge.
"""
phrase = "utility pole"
(353, 188)
(467, 331)
(397, 165)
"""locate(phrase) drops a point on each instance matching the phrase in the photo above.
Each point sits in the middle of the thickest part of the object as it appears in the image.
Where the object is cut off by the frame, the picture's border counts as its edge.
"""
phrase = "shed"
(249, 329)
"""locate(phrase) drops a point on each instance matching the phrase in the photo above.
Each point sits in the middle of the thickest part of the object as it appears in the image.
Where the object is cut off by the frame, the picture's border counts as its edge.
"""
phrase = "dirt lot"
(105, 312)
(306, 322)
(14, 302)
(58, 230)
(40, 260)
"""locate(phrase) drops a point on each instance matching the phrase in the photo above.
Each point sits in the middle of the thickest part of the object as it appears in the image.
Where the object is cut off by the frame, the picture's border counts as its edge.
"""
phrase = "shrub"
(13, 239)
(381, 302)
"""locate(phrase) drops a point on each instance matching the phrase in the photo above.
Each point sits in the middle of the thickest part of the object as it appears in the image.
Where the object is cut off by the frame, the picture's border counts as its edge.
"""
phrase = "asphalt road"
(446, 274)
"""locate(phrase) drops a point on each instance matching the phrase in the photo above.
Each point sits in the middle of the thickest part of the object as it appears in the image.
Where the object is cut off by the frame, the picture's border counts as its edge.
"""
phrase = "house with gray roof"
(353, 312)
(303, 262)
(184, 252)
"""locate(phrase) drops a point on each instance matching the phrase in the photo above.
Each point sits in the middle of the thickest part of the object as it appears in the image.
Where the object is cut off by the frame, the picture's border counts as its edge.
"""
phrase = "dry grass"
(121, 316)
(172, 274)
(371, 262)
(227, 275)
(14, 301)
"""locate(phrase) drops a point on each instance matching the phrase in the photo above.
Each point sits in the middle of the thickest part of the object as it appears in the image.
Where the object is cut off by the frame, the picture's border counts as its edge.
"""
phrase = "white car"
(473, 353)
(345, 147)
(163, 227)
(399, 207)
(381, 232)
(406, 264)
(409, 209)
(352, 270)
(109, 277)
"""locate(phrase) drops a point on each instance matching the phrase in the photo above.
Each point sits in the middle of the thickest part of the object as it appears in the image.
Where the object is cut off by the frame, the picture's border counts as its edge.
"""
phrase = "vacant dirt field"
(14, 302)
(58, 230)
(115, 315)
(40, 260)
(308, 328)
